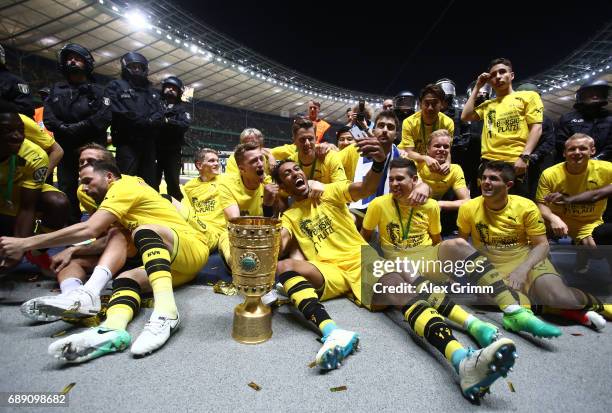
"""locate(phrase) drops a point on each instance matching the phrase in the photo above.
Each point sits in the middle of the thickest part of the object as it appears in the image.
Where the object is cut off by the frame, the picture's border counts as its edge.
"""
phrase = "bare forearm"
(55, 156)
(451, 205)
(590, 196)
(535, 131)
(546, 213)
(538, 253)
(65, 236)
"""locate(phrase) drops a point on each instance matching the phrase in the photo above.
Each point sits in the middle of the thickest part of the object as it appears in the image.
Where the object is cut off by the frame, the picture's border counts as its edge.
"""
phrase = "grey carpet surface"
(202, 369)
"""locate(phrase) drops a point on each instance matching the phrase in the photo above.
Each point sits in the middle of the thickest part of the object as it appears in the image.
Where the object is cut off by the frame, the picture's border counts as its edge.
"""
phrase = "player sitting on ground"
(510, 232)
(172, 253)
(337, 256)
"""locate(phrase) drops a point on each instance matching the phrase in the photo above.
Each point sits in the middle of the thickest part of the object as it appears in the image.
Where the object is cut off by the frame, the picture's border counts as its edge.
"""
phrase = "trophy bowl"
(254, 246)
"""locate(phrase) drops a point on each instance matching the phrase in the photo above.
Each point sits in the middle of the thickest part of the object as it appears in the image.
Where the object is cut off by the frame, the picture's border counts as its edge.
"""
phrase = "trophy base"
(252, 322)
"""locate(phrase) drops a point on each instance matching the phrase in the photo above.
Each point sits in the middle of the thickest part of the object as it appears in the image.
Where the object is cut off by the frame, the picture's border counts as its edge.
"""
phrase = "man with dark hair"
(325, 169)
(172, 253)
(23, 169)
(340, 263)
(417, 128)
(176, 122)
(14, 89)
(512, 121)
(510, 232)
(83, 271)
(77, 113)
(344, 137)
(137, 117)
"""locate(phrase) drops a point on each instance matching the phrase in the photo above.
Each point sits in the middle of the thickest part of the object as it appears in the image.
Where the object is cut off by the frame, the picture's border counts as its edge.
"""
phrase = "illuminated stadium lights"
(137, 19)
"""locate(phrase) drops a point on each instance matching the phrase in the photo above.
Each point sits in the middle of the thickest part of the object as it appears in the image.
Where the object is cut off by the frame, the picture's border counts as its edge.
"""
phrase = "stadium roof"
(219, 69)
(559, 84)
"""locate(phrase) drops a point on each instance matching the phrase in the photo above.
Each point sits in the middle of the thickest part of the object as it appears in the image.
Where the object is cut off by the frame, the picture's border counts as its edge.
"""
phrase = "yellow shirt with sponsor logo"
(418, 222)
(134, 203)
(204, 206)
(581, 219)
(325, 231)
(349, 157)
(504, 233)
(35, 133)
(283, 152)
(31, 165)
(440, 184)
(326, 172)
(415, 133)
(233, 192)
(506, 124)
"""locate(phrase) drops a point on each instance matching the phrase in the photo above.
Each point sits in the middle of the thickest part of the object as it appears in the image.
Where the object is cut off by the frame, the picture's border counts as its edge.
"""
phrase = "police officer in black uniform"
(14, 89)
(590, 117)
(77, 113)
(176, 122)
(137, 118)
(404, 105)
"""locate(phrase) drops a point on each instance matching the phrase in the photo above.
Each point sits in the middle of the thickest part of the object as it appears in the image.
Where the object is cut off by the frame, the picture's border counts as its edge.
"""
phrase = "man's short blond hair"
(251, 131)
(438, 133)
(576, 136)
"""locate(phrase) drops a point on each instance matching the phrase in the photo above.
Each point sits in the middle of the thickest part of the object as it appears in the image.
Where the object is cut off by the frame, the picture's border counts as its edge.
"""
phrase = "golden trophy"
(254, 245)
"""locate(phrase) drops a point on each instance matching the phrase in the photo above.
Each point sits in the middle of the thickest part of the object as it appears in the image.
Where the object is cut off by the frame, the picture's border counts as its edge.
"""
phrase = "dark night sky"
(376, 51)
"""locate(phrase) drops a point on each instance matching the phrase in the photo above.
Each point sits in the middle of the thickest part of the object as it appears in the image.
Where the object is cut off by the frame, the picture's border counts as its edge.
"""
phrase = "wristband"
(378, 166)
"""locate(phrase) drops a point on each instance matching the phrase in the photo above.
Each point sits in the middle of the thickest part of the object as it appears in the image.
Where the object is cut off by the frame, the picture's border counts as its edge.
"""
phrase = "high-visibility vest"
(320, 128)
(38, 118)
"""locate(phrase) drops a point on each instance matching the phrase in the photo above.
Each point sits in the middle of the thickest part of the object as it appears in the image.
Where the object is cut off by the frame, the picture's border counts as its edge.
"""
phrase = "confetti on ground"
(339, 388)
(254, 386)
(59, 333)
(68, 388)
(576, 334)
(511, 386)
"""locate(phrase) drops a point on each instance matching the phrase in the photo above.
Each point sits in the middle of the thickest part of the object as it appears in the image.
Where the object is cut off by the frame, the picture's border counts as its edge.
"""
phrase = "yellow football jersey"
(325, 231)
(87, 203)
(581, 219)
(415, 133)
(203, 200)
(502, 233)
(326, 172)
(283, 152)
(440, 184)
(349, 157)
(411, 229)
(506, 124)
(35, 133)
(31, 166)
(134, 203)
(233, 192)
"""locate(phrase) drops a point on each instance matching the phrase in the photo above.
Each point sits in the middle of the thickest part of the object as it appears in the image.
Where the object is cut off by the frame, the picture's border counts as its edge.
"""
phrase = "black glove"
(72, 129)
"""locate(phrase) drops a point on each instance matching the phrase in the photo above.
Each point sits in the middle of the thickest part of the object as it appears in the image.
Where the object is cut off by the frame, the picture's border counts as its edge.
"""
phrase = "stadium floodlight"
(193, 48)
(137, 19)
